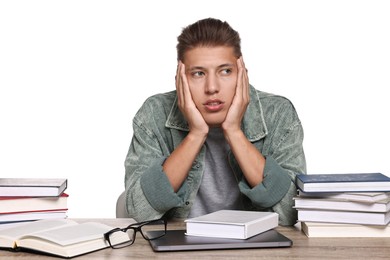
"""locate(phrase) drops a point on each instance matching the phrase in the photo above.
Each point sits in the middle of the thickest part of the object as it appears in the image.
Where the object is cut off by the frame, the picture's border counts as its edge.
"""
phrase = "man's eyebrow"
(203, 68)
(196, 68)
(226, 65)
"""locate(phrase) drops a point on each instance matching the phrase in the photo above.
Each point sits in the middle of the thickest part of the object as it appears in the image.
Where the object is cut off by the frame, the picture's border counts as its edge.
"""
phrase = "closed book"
(25, 204)
(346, 182)
(333, 204)
(367, 197)
(32, 215)
(348, 217)
(314, 229)
(60, 237)
(32, 187)
(232, 224)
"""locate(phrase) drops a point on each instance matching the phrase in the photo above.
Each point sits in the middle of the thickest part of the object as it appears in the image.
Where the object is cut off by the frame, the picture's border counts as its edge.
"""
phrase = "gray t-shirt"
(219, 187)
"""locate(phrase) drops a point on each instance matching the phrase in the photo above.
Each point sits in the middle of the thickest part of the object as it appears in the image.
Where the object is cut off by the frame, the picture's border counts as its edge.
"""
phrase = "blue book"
(346, 182)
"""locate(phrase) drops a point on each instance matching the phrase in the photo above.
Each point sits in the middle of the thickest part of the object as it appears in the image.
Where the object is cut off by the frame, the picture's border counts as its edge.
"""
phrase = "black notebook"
(177, 240)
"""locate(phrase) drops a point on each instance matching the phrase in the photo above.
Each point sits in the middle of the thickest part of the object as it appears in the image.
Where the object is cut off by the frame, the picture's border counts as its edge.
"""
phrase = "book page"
(73, 234)
(14, 232)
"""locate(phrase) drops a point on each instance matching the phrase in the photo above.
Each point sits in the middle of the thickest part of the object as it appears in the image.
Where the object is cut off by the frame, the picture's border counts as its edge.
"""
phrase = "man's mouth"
(213, 105)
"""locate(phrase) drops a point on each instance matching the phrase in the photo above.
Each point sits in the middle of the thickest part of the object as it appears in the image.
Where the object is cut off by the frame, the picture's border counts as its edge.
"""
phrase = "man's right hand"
(196, 122)
(179, 163)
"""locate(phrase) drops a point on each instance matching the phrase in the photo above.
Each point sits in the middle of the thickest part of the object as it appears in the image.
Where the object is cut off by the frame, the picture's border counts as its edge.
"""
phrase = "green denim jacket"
(270, 123)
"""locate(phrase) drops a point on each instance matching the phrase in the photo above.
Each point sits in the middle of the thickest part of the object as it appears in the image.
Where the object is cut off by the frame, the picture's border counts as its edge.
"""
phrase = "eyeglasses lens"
(154, 229)
(121, 239)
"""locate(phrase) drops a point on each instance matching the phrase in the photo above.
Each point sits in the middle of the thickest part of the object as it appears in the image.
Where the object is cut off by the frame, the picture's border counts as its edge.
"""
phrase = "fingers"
(242, 81)
(182, 88)
(245, 80)
(184, 83)
(179, 83)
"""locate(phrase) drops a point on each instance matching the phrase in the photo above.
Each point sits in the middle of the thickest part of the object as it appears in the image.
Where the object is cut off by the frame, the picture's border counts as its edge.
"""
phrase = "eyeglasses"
(122, 237)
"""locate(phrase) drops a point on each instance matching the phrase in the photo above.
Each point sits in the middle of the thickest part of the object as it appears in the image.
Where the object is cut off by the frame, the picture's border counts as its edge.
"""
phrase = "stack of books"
(28, 199)
(344, 205)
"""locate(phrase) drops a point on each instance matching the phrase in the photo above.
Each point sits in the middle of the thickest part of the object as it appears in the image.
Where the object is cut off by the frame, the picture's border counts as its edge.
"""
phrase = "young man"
(216, 142)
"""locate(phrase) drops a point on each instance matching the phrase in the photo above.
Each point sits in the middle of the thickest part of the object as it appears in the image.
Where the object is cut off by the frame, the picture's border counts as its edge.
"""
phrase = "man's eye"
(197, 74)
(226, 71)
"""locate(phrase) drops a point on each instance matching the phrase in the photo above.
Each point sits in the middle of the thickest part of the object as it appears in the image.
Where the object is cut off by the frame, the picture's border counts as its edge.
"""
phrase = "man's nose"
(212, 85)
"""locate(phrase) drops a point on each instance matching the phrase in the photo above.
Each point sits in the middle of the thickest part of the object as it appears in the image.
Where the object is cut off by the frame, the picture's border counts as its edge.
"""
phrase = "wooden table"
(303, 248)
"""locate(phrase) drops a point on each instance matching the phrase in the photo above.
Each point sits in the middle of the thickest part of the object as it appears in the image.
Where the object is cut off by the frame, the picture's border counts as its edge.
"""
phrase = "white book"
(61, 237)
(333, 204)
(232, 224)
(314, 229)
(368, 197)
(28, 216)
(349, 217)
(32, 187)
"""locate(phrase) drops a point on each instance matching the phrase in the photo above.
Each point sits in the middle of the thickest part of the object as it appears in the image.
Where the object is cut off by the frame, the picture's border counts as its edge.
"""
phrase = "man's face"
(212, 77)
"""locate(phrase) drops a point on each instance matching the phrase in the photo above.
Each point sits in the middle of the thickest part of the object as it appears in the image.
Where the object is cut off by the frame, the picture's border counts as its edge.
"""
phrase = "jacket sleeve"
(284, 160)
(149, 194)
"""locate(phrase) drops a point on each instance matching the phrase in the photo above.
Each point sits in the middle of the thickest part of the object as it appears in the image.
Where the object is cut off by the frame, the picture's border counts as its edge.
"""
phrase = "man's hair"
(208, 32)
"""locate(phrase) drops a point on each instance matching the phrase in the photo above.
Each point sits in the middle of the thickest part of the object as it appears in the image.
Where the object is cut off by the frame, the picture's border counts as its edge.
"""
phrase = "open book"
(61, 237)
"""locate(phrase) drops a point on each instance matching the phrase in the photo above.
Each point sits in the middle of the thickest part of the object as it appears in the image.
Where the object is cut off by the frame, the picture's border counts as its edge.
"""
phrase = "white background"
(74, 73)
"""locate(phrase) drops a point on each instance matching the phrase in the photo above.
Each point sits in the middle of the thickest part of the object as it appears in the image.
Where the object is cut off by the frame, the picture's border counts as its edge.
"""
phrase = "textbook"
(333, 204)
(312, 229)
(32, 215)
(231, 224)
(32, 187)
(347, 217)
(26, 204)
(347, 182)
(366, 197)
(61, 237)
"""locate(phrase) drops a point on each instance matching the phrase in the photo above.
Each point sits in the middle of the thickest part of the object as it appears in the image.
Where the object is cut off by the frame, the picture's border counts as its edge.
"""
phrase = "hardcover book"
(347, 182)
(65, 238)
(232, 224)
(333, 204)
(313, 229)
(366, 197)
(347, 217)
(33, 215)
(26, 204)
(32, 187)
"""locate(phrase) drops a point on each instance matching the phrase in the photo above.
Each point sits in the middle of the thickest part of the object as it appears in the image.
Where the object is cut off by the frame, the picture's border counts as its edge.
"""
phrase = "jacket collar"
(253, 124)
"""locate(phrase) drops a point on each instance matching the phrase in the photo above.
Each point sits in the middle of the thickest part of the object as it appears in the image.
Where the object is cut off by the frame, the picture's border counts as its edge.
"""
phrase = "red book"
(29, 204)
